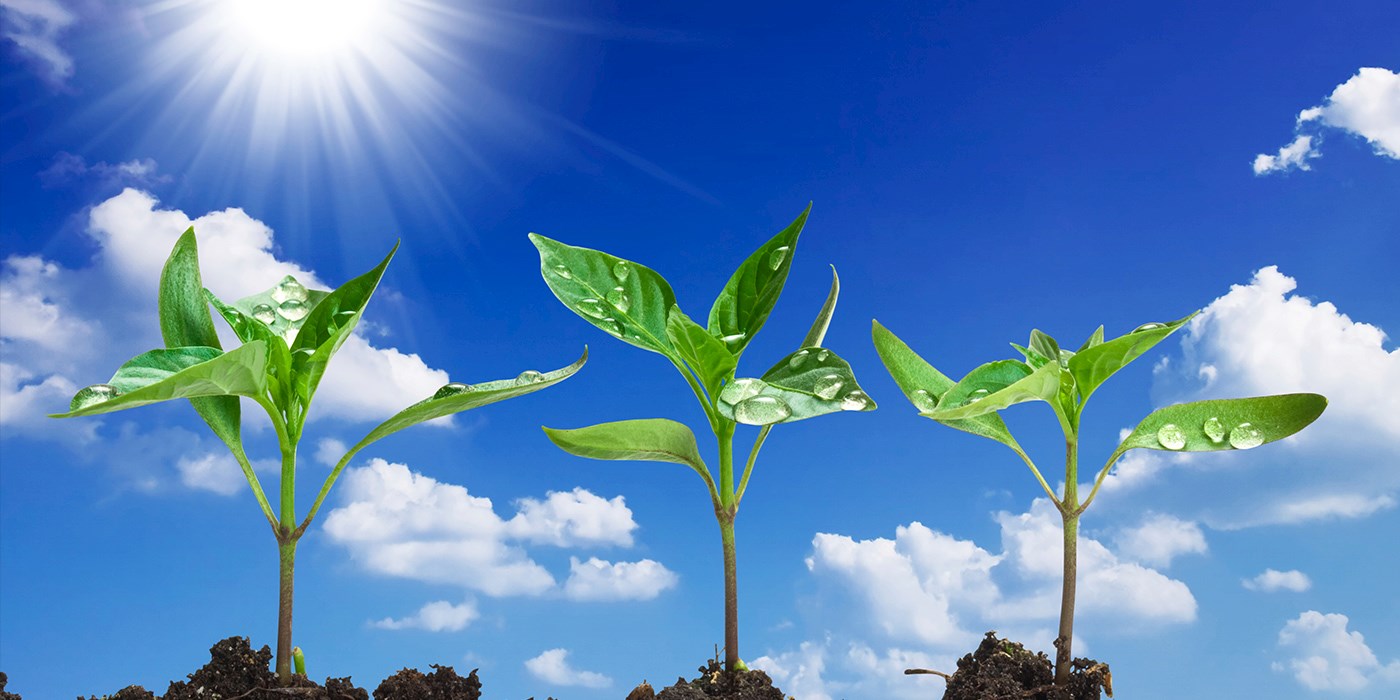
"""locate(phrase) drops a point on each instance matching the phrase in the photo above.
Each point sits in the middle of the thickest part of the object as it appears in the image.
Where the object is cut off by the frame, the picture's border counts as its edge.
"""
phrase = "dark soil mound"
(714, 682)
(4, 695)
(1005, 670)
(442, 684)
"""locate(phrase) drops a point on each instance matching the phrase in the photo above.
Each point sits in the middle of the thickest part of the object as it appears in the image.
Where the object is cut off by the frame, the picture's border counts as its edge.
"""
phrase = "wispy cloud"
(437, 616)
(1366, 105)
(553, 666)
(1327, 656)
(1274, 580)
(35, 27)
(68, 169)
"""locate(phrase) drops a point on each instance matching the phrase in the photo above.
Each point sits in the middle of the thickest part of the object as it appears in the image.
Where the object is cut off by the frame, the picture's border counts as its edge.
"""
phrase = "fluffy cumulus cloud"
(437, 616)
(1274, 580)
(1326, 656)
(552, 666)
(1367, 105)
(397, 522)
(1159, 539)
(36, 28)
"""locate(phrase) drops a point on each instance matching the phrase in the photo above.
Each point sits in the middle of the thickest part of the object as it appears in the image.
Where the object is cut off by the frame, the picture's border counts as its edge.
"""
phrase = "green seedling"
(288, 334)
(635, 305)
(1065, 380)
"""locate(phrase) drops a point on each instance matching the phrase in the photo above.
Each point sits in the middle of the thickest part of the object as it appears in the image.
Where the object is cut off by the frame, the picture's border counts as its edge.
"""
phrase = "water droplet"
(592, 307)
(292, 310)
(797, 359)
(776, 258)
(92, 395)
(975, 396)
(923, 400)
(855, 401)
(529, 376)
(741, 389)
(822, 355)
(737, 337)
(1245, 436)
(265, 313)
(761, 410)
(452, 389)
(1149, 327)
(1064, 358)
(828, 386)
(612, 326)
(1171, 436)
(1214, 429)
(563, 271)
(619, 299)
(289, 289)
(621, 270)
(306, 351)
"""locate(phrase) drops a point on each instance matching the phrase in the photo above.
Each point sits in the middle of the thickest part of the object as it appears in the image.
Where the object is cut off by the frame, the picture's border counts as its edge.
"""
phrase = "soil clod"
(715, 682)
(442, 684)
(1004, 670)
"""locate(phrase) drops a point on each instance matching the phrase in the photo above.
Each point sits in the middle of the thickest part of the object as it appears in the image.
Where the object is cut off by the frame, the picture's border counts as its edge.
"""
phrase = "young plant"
(288, 334)
(1065, 380)
(635, 305)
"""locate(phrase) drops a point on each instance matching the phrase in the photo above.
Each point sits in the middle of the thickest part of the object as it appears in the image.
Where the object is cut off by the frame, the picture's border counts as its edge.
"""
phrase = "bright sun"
(304, 29)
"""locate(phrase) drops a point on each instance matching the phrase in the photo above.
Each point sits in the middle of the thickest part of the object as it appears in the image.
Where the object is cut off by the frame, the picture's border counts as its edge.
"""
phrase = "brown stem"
(286, 551)
(731, 594)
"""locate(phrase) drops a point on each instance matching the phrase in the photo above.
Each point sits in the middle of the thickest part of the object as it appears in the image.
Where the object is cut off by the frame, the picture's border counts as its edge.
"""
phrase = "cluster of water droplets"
(92, 395)
(291, 298)
(1241, 437)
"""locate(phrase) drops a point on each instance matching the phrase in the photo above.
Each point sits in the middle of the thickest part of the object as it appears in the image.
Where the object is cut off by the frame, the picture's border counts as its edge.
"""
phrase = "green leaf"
(702, 351)
(328, 325)
(749, 295)
(808, 383)
(646, 440)
(1095, 338)
(817, 334)
(630, 302)
(162, 375)
(279, 356)
(923, 386)
(1224, 424)
(999, 384)
(185, 322)
(1092, 365)
(1044, 345)
(446, 403)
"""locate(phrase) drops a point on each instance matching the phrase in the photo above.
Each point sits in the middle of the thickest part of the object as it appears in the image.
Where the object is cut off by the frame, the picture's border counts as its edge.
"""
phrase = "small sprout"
(299, 661)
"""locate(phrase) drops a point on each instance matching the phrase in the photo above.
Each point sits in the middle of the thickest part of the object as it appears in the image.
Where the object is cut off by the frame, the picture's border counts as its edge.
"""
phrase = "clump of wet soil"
(1004, 670)
(442, 684)
(4, 695)
(714, 682)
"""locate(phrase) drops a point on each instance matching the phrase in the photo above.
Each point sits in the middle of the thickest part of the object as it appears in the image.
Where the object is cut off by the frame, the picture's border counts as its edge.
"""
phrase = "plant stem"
(731, 594)
(286, 556)
(1069, 511)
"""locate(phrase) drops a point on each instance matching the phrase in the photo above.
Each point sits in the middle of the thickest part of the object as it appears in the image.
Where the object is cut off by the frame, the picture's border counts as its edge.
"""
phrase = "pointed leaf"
(808, 383)
(1095, 338)
(646, 440)
(1005, 383)
(702, 351)
(1224, 424)
(749, 295)
(162, 375)
(923, 386)
(630, 302)
(1045, 345)
(1095, 364)
(817, 334)
(185, 322)
(1033, 358)
(446, 404)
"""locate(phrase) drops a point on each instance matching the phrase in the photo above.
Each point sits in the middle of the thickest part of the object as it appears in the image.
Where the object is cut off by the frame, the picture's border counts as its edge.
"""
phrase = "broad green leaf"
(749, 295)
(817, 334)
(702, 351)
(185, 322)
(1095, 338)
(1092, 365)
(997, 385)
(630, 302)
(328, 325)
(279, 356)
(446, 402)
(238, 372)
(1045, 345)
(808, 383)
(646, 440)
(1033, 358)
(923, 386)
(1224, 424)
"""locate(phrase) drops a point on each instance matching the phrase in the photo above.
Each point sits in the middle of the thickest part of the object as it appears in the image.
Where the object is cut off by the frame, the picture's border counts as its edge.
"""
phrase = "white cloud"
(1328, 656)
(400, 523)
(596, 579)
(798, 672)
(365, 383)
(438, 616)
(329, 451)
(573, 518)
(35, 27)
(25, 403)
(553, 667)
(1366, 105)
(1274, 580)
(68, 168)
(28, 286)
(217, 472)
(1159, 539)
(824, 671)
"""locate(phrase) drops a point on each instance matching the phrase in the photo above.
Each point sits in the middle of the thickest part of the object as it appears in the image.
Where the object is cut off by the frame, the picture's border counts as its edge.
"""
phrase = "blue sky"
(975, 172)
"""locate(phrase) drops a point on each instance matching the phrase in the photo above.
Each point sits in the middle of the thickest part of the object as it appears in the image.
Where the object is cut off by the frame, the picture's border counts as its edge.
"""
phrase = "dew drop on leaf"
(1244, 436)
(923, 400)
(592, 307)
(761, 410)
(822, 355)
(452, 390)
(529, 376)
(776, 258)
(1214, 428)
(1171, 436)
(92, 395)
(1149, 327)
(619, 299)
(563, 271)
(265, 313)
(612, 326)
(855, 401)
(621, 270)
(828, 386)
(292, 310)
(289, 289)
(734, 338)
(741, 389)
(797, 359)
(975, 396)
